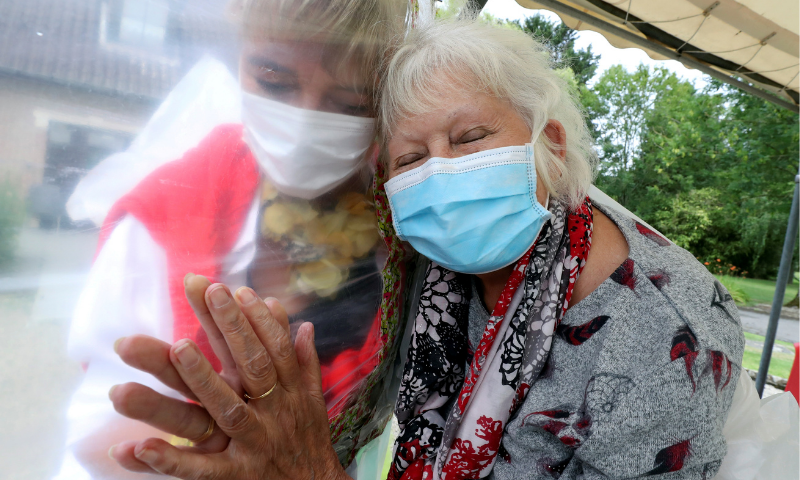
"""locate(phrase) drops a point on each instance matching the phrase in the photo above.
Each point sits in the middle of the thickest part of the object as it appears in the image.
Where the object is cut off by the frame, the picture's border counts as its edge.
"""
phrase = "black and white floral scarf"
(483, 392)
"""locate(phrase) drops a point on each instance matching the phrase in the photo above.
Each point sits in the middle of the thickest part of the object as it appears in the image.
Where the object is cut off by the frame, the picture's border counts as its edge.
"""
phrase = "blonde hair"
(360, 29)
(501, 61)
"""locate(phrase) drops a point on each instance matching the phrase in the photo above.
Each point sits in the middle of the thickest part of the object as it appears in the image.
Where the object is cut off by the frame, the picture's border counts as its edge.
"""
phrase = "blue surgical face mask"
(471, 214)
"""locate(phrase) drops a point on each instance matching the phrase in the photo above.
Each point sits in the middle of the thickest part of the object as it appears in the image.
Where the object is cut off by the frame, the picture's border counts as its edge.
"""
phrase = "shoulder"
(219, 162)
(221, 149)
(672, 283)
(216, 178)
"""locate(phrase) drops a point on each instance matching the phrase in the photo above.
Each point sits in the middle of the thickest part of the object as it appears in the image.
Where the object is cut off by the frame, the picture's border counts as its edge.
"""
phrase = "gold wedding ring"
(202, 438)
(260, 396)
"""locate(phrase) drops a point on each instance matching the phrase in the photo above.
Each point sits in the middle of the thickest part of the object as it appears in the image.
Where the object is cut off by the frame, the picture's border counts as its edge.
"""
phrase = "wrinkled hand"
(283, 435)
(182, 419)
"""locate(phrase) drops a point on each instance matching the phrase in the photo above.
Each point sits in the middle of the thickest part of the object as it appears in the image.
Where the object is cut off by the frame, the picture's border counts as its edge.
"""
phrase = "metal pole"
(780, 287)
(662, 50)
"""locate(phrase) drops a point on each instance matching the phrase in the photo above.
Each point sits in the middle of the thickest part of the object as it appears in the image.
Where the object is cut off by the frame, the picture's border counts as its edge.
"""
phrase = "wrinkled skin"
(284, 435)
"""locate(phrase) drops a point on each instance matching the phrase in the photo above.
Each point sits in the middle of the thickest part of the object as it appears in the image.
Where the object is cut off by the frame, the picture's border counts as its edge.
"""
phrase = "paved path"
(37, 296)
(754, 322)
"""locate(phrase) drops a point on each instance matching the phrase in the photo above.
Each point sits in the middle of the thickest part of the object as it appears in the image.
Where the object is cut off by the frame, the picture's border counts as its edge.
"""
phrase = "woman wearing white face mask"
(280, 203)
(553, 336)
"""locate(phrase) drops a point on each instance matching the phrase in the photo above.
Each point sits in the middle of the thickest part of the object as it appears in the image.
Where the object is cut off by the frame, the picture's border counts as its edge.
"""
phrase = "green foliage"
(12, 214)
(740, 296)
(780, 363)
(561, 41)
(760, 291)
(712, 169)
(449, 9)
(688, 216)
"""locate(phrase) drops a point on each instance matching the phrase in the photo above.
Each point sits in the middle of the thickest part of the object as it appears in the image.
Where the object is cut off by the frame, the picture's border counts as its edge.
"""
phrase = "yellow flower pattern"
(321, 244)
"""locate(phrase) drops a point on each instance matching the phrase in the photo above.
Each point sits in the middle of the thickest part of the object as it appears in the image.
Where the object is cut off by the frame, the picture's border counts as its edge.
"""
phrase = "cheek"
(391, 171)
(520, 130)
(541, 192)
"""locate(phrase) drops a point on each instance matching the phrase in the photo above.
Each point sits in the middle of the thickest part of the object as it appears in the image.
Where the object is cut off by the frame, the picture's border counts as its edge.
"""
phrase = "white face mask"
(305, 153)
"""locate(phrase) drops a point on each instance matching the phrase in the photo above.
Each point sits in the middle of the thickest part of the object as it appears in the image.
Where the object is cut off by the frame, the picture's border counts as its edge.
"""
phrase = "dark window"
(71, 151)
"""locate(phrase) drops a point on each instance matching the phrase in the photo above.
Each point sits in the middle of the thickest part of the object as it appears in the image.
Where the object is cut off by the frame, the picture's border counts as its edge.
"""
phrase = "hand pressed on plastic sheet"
(281, 432)
(182, 419)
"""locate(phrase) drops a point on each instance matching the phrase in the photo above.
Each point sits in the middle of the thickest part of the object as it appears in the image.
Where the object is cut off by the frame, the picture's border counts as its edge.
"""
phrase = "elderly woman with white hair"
(550, 336)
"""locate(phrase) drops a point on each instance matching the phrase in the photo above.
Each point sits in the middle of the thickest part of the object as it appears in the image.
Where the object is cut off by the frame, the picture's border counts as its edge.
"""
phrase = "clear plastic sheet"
(126, 161)
(130, 157)
(762, 436)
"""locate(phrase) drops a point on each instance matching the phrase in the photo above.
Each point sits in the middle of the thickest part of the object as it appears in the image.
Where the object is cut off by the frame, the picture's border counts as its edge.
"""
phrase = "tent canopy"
(753, 40)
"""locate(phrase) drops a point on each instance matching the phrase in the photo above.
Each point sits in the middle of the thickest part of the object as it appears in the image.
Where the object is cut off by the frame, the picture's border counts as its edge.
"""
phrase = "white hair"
(506, 63)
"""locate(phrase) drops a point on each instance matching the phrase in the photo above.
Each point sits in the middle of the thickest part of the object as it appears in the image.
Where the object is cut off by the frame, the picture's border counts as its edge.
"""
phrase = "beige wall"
(27, 106)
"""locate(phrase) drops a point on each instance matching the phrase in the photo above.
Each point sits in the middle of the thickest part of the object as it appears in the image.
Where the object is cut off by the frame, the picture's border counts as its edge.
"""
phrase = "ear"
(558, 138)
(372, 155)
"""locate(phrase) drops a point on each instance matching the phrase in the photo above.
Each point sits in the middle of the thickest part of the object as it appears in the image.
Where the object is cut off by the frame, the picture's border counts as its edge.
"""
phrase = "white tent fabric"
(758, 38)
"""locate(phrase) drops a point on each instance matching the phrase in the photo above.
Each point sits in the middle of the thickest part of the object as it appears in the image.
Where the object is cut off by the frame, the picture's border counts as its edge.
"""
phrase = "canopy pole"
(780, 287)
(662, 50)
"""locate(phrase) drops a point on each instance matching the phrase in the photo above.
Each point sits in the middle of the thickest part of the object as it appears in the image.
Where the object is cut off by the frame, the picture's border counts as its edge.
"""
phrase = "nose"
(313, 89)
(441, 148)
(308, 98)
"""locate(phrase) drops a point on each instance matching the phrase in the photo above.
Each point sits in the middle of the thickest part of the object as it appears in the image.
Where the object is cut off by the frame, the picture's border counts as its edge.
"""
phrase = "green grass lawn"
(780, 363)
(755, 290)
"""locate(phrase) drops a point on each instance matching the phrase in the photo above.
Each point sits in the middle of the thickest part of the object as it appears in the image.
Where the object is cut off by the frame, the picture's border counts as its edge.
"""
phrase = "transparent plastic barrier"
(130, 157)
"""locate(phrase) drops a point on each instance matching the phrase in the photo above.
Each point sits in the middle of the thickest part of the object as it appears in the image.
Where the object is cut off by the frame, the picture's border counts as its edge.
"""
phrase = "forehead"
(418, 91)
(446, 106)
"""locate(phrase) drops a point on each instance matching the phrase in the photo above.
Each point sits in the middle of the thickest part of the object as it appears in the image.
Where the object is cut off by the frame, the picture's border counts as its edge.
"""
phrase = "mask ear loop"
(529, 152)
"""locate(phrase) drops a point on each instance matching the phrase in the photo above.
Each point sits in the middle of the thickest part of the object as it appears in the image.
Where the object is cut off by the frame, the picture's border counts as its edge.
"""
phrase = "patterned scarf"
(477, 399)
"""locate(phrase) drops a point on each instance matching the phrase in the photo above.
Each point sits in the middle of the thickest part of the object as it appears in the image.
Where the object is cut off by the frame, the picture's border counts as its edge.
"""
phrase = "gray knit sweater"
(640, 377)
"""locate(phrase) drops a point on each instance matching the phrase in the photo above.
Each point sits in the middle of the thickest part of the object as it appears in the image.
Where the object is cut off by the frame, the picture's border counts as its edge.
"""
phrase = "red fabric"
(793, 383)
(195, 209)
(349, 368)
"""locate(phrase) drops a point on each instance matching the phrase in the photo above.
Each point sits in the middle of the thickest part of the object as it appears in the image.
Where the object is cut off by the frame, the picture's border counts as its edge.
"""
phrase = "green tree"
(619, 105)
(758, 174)
(712, 169)
(561, 40)
(12, 215)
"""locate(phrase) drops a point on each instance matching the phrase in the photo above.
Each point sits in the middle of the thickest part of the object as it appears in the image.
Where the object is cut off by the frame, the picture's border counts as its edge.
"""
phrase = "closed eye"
(408, 160)
(473, 135)
(275, 88)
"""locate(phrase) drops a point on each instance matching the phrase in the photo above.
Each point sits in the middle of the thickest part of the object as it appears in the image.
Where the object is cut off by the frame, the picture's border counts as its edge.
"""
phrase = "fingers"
(231, 413)
(172, 416)
(151, 355)
(124, 455)
(278, 312)
(196, 286)
(254, 365)
(309, 361)
(181, 463)
(273, 333)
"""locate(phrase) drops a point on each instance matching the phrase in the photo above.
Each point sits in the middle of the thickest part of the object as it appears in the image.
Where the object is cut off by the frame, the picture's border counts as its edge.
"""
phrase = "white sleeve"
(126, 293)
